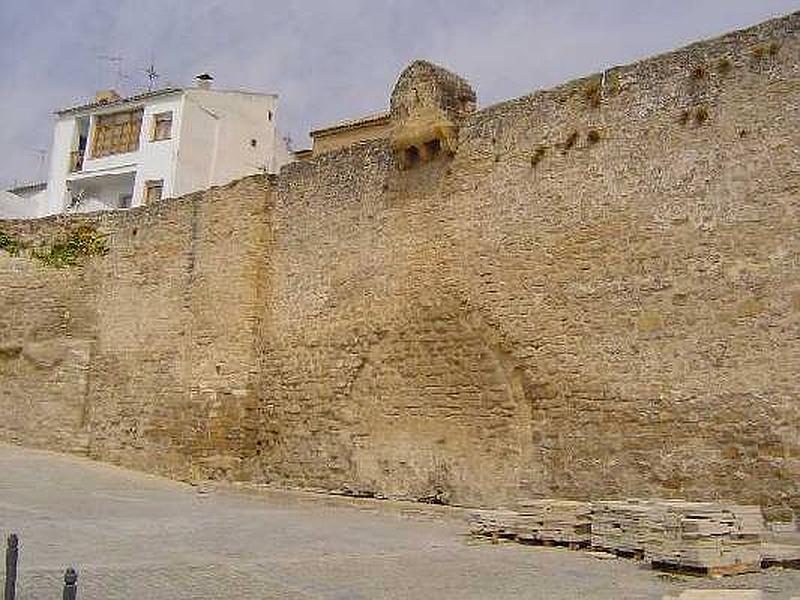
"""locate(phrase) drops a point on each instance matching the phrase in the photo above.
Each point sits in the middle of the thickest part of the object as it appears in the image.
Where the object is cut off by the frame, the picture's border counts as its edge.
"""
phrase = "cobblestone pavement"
(135, 536)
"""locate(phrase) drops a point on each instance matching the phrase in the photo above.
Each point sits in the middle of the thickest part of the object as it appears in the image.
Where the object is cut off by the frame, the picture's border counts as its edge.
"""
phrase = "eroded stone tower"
(428, 105)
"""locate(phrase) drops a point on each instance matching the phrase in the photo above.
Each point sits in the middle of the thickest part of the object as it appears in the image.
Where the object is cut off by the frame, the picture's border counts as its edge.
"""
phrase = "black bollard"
(12, 556)
(70, 584)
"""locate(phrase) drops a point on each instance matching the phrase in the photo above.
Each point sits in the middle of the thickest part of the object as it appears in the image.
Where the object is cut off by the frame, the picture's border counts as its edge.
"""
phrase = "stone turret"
(428, 105)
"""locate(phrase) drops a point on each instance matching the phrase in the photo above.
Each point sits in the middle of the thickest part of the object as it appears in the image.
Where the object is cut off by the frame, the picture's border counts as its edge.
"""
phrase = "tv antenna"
(152, 76)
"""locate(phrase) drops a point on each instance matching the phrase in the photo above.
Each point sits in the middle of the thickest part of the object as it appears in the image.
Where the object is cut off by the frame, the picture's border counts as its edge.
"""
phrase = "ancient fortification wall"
(144, 356)
(598, 294)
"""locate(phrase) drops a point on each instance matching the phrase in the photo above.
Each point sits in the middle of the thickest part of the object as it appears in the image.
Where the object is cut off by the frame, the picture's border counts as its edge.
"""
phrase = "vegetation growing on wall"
(538, 155)
(10, 243)
(85, 241)
(82, 242)
(699, 115)
(763, 51)
(698, 72)
(570, 142)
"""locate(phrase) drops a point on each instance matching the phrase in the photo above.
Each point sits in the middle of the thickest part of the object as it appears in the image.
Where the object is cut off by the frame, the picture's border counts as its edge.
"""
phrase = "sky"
(327, 60)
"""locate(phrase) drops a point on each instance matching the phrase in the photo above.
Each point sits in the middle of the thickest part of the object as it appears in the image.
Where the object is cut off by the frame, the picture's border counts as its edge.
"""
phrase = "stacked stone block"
(703, 537)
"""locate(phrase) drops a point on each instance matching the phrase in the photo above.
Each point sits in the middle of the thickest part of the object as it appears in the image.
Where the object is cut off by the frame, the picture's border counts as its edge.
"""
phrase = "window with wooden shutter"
(153, 190)
(116, 133)
(162, 126)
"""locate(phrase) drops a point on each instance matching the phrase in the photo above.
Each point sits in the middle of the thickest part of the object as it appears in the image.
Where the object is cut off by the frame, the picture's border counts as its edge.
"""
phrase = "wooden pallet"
(531, 541)
(780, 555)
(632, 554)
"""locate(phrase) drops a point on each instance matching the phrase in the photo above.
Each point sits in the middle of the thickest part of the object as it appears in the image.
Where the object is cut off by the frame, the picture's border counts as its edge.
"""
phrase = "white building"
(122, 152)
(23, 201)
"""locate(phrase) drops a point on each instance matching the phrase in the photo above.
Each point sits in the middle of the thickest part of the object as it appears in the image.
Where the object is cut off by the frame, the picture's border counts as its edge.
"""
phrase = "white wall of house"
(33, 193)
(152, 159)
(13, 206)
(157, 158)
(227, 135)
(64, 133)
(217, 136)
(104, 192)
(198, 134)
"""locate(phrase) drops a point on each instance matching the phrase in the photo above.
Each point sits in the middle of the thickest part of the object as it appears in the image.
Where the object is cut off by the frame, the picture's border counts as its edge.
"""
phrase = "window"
(153, 190)
(162, 126)
(116, 133)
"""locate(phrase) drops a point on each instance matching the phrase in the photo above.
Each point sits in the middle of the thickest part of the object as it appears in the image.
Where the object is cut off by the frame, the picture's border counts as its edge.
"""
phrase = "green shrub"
(82, 242)
(701, 115)
(10, 243)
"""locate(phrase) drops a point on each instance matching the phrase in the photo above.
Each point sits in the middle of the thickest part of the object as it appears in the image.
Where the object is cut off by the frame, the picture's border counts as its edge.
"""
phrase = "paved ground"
(135, 536)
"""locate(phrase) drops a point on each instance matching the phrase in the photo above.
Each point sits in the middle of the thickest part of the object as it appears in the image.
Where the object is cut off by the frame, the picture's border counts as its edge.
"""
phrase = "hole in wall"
(433, 148)
(411, 156)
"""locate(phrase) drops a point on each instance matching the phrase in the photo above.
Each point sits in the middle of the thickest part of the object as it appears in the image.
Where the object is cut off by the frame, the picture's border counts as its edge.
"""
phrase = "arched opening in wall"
(411, 156)
(433, 148)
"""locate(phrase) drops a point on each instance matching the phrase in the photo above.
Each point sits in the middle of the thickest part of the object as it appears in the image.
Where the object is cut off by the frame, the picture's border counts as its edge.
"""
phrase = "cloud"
(327, 60)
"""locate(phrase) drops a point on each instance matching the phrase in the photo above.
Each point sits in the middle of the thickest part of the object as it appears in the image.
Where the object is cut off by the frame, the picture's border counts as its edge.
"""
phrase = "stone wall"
(597, 295)
(144, 356)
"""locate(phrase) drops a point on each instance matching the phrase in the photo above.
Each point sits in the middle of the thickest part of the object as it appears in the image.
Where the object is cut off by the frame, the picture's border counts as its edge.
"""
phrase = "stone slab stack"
(625, 527)
(556, 521)
(492, 523)
(545, 521)
(705, 536)
(711, 537)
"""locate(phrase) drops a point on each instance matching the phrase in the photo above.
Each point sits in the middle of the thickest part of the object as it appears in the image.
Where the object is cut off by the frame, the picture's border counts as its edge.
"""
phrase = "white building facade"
(123, 152)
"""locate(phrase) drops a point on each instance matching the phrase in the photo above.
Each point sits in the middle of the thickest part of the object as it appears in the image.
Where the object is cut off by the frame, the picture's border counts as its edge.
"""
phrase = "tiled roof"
(28, 187)
(119, 102)
(375, 118)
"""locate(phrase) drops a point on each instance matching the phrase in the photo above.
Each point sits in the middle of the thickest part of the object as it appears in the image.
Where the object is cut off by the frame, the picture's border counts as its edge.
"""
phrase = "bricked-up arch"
(592, 319)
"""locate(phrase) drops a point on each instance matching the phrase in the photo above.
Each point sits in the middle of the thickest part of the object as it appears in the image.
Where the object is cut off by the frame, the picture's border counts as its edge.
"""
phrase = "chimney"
(204, 81)
(106, 96)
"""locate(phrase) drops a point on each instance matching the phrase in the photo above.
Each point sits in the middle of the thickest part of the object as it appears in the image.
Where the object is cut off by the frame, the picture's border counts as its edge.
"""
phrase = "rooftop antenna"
(152, 76)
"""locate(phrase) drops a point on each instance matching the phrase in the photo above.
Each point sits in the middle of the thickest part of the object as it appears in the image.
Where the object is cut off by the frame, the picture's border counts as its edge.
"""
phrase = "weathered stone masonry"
(597, 294)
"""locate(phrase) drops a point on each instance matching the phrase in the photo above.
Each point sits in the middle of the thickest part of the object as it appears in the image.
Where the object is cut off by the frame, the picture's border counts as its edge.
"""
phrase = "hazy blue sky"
(327, 60)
